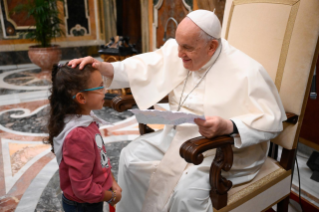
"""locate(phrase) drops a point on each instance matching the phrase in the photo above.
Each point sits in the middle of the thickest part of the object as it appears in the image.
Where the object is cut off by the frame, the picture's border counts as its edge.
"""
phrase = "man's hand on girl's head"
(106, 69)
(82, 62)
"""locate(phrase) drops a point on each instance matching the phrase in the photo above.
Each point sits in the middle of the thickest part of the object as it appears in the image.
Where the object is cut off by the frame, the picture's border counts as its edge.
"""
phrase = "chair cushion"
(270, 174)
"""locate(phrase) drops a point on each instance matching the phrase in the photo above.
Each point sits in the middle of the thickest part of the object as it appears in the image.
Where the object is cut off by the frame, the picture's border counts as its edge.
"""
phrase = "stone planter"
(45, 57)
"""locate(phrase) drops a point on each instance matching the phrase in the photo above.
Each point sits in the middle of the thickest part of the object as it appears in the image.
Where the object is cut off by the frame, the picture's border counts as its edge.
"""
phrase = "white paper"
(164, 117)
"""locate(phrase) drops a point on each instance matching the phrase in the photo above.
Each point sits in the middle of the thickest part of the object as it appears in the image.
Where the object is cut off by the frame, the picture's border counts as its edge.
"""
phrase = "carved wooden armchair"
(283, 36)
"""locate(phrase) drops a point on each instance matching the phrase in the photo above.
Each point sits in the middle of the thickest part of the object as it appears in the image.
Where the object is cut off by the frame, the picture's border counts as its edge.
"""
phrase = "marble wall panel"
(21, 57)
(11, 58)
(82, 24)
(167, 9)
(77, 18)
(162, 12)
(14, 24)
(7, 58)
(217, 5)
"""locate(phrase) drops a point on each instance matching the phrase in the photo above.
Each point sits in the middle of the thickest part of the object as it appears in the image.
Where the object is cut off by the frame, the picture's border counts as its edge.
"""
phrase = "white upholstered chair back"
(282, 35)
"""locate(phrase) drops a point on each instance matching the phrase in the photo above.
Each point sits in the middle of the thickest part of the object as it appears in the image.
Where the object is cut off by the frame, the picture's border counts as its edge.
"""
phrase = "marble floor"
(29, 178)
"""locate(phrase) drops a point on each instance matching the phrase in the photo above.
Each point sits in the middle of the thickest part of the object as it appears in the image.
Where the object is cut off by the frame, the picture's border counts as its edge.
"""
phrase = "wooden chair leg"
(282, 206)
(218, 200)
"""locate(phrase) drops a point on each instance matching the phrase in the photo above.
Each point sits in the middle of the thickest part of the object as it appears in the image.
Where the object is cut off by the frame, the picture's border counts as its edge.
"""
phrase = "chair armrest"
(192, 149)
(122, 103)
(291, 118)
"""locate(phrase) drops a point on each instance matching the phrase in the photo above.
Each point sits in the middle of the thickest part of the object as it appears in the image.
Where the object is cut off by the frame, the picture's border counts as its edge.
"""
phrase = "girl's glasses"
(89, 89)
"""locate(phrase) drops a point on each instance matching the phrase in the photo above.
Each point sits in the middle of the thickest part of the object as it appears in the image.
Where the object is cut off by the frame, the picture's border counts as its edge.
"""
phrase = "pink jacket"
(85, 170)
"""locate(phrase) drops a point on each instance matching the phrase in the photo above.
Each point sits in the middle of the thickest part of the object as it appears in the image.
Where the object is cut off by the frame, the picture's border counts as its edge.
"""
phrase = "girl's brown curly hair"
(66, 82)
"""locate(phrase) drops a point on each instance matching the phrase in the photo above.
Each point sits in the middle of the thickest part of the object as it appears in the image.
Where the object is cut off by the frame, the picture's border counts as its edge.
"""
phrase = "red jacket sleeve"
(79, 154)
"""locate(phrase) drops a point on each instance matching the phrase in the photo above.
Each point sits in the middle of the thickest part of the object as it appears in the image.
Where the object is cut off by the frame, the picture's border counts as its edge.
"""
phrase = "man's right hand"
(106, 69)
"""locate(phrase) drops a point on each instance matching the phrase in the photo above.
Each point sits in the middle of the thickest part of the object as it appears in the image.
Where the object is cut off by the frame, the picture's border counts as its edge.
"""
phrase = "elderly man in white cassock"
(202, 74)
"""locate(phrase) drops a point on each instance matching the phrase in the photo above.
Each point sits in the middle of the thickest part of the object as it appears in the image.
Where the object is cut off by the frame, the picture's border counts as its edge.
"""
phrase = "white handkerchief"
(164, 117)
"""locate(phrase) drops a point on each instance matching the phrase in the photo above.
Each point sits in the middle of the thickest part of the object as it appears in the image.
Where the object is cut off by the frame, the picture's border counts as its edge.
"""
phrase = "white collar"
(212, 60)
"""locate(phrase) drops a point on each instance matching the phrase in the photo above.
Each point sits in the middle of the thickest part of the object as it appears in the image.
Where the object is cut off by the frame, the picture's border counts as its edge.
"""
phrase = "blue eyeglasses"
(89, 89)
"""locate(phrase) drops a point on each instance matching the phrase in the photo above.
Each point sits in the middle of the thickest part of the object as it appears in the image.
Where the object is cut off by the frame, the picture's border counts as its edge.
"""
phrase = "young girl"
(85, 171)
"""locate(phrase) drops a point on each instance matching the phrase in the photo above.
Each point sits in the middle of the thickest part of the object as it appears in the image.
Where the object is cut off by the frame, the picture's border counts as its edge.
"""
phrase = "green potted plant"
(47, 23)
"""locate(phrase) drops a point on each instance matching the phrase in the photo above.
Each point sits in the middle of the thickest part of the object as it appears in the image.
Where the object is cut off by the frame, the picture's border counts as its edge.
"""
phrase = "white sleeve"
(249, 136)
(120, 78)
(144, 73)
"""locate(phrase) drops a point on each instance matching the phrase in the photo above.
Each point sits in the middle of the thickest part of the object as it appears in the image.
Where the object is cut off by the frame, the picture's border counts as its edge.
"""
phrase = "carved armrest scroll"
(192, 151)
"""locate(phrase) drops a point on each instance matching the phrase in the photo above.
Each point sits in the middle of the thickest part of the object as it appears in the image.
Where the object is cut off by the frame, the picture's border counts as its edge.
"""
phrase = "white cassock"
(152, 174)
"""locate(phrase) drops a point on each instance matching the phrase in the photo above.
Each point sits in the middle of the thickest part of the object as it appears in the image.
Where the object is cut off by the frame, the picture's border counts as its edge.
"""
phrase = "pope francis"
(201, 74)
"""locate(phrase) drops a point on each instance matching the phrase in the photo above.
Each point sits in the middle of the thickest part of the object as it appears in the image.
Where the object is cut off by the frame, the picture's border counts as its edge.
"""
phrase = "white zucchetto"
(207, 21)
